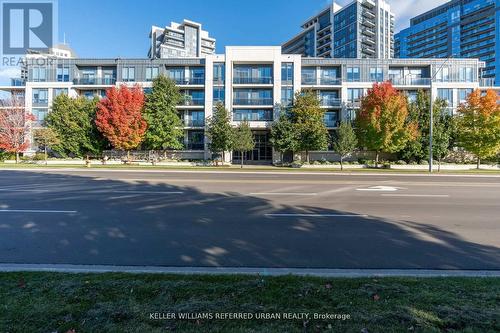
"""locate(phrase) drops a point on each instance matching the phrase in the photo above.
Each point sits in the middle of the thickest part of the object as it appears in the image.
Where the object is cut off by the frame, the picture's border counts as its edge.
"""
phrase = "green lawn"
(57, 302)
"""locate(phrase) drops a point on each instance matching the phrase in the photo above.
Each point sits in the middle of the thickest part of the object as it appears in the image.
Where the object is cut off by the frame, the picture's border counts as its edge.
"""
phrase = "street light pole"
(431, 121)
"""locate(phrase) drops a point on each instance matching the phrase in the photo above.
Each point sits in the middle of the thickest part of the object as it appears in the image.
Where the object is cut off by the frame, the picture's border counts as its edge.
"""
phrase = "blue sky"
(112, 28)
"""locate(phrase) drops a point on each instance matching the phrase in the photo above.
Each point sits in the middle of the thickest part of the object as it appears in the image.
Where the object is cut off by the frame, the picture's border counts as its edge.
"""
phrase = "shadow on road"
(139, 223)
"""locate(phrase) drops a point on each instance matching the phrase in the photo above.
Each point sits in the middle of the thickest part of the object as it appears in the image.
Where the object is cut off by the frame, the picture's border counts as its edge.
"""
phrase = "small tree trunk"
(17, 157)
(128, 156)
(439, 164)
(376, 159)
(341, 163)
(45, 154)
(478, 163)
(242, 157)
(307, 156)
(223, 157)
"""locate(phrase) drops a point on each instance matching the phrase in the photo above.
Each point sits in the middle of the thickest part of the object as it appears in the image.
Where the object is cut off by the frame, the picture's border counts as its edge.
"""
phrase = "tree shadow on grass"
(137, 222)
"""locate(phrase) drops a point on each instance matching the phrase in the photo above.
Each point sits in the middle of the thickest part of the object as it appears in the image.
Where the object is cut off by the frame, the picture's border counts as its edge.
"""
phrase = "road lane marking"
(281, 193)
(380, 188)
(417, 195)
(143, 192)
(314, 215)
(37, 211)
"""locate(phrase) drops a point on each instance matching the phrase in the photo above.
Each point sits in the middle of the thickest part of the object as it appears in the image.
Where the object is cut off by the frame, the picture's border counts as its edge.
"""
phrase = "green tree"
(419, 112)
(45, 138)
(219, 131)
(441, 138)
(284, 135)
(73, 121)
(345, 141)
(479, 125)
(160, 112)
(307, 116)
(382, 122)
(243, 139)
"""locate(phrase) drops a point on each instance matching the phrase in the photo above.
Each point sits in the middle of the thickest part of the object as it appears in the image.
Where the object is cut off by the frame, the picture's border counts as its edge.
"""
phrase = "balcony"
(194, 122)
(98, 81)
(185, 81)
(487, 82)
(253, 101)
(368, 41)
(410, 81)
(368, 23)
(309, 80)
(192, 101)
(330, 81)
(368, 32)
(253, 80)
(17, 82)
(330, 101)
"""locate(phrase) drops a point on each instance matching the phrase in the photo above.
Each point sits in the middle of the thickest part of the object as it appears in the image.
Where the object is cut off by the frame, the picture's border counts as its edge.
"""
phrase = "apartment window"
(354, 94)
(376, 74)
(194, 118)
(412, 96)
(197, 75)
(446, 94)
(40, 96)
(151, 73)
(465, 74)
(253, 97)
(88, 76)
(353, 74)
(39, 74)
(309, 75)
(443, 75)
(128, 74)
(463, 94)
(62, 74)
(195, 140)
(89, 94)
(176, 74)
(287, 96)
(330, 119)
(287, 73)
(40, 115)
(329, 76)
(59, 91)
(253, 74)
(219, 73)
(219, 95)
(252, 115)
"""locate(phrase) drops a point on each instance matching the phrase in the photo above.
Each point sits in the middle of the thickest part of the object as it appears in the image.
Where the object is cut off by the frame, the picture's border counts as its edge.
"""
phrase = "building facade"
(180, 40)
(459, 29)
(251, 82)
(361, 29)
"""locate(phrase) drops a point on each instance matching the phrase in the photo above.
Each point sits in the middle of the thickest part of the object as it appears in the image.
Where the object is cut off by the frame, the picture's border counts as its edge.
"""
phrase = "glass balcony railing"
(95, 81)
(192, 101)
(330, 101)
(410, 81)
(194, 122)
(330, 81)
(253, 101)
(253, 80)
(189, 81)
(487, 82)
(17, 82)
(331, 123)
(309, 80)
(195, 146)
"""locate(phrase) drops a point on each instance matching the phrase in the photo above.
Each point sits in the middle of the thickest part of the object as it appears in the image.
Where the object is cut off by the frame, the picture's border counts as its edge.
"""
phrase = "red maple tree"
(119, 117)
(14, 127)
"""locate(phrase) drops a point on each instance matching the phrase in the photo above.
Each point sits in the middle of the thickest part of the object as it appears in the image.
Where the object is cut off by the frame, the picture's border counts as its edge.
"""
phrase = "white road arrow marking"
(380, 188)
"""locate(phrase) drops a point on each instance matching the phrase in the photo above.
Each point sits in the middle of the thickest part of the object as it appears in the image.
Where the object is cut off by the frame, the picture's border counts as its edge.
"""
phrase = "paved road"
(249, 220)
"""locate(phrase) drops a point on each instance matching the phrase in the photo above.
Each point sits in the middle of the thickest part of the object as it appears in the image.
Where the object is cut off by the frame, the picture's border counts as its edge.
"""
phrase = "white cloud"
(9, 72)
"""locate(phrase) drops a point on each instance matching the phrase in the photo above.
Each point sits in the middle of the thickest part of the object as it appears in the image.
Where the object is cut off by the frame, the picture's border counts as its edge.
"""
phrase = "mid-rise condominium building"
(361, 29)
(458, 28)
(180, 40)
(251, 82)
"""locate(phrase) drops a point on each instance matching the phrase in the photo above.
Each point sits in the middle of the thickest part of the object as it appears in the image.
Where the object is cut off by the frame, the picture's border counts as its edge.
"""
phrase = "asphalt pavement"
(257, 219)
